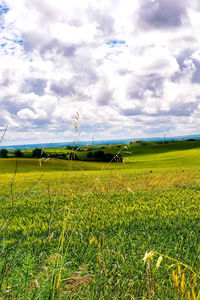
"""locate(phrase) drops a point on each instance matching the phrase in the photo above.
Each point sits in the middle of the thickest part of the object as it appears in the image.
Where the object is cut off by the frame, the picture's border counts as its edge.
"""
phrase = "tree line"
(38, 153)
(107, 157)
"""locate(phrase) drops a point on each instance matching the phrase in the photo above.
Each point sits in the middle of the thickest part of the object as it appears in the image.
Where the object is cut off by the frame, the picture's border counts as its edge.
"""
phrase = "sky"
(131, 69)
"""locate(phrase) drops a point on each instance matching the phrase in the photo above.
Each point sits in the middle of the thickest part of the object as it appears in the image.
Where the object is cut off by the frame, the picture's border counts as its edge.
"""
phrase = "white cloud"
(26, 113)
(123, 68)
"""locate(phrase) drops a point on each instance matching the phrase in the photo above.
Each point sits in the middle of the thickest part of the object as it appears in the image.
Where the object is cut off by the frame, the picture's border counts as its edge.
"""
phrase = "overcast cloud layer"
(130, 68)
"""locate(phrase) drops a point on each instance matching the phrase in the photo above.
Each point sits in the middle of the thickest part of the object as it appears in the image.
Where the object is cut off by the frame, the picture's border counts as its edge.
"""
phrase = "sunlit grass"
(81, 230)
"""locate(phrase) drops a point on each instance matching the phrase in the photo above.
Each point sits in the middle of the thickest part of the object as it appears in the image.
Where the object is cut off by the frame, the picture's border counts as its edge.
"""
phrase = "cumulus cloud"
(35, 85)
(162, 14)
(128, 67)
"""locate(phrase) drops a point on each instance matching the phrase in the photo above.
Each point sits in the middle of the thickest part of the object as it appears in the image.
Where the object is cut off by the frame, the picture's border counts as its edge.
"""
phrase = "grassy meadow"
(93, 230)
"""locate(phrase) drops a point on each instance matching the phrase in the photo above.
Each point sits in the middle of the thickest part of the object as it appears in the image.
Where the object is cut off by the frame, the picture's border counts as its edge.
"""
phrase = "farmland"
(80, 229)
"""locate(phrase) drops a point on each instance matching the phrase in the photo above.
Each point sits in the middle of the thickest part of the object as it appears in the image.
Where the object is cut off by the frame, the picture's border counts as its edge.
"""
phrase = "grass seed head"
(159, 262)
(175, 279)
(147, 256)
(183, 283)
(179, 270)
(193, 294)
(93, 240)
(105, 270)
(198, 296)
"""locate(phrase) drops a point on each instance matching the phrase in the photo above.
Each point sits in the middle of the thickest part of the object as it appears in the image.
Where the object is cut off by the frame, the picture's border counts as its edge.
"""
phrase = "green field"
(80, 229)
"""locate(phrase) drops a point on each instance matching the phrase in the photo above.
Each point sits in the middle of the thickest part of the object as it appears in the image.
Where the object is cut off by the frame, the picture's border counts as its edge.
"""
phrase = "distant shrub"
(90, 155)
(108, 157)
(99, 154)
(3, 153)
(113, 158)
(38, 152)
(73, 156)
(27, 154)
(58, 155)
(72, 148)
(18, 153)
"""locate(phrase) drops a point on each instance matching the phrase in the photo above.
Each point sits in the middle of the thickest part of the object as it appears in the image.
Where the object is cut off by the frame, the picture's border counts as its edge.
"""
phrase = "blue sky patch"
(20, 42)
(113, 43)
(3, 10)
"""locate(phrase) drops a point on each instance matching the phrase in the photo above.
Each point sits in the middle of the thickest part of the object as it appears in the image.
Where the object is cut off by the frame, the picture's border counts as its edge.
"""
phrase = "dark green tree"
(38, 152)
(99, 155)
(90, 155)
(3, 153)
(18, 153)
(73, 156)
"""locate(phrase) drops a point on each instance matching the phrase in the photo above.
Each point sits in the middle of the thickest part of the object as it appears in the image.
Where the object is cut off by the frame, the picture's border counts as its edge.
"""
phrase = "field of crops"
(91, 230)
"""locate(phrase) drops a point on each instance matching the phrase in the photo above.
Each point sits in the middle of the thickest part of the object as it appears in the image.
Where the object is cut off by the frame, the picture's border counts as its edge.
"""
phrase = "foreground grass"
(74, 234)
